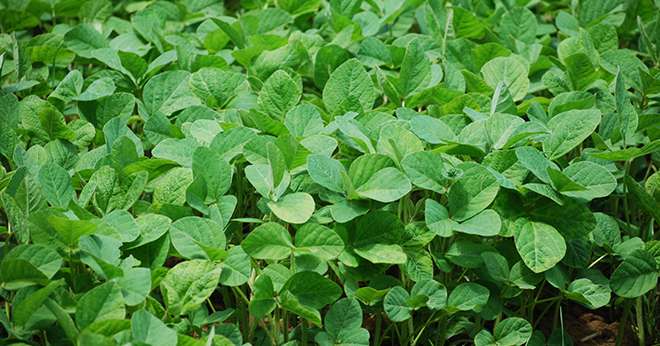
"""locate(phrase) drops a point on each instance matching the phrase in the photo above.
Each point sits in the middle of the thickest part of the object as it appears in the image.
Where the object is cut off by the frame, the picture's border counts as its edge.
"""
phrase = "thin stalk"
(208, 300)
(622, 326)
(421, 330)
(377, 331)
(396, 330)
(545, 300)
(274, 324)
(242, 295)
(303, 332)
(270, 335)
(561, 324)
(7, 310)
(535, 301)
(639, 313)
(285, 321)
(626, 210)
(556, 317)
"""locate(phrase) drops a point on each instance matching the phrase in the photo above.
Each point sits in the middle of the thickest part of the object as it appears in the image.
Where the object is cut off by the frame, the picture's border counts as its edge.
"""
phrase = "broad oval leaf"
(188, 284)
(635, 276)
(268, 241)
(540, 245)
(568, 130)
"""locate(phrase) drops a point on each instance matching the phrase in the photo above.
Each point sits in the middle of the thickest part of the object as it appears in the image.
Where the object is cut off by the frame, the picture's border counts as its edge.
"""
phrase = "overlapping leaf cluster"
(338, 172)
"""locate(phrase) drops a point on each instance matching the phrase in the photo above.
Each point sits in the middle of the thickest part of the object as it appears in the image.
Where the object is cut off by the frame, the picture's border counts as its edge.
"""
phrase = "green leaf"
(437, 219)
(101, 303)
(263, 301)
(195, 237)
(277, 164)
(581, 71)
(540, 245)
(395, 304)
(304, 121)
(290, 303)
(236, 268)
(415, 69)
(486, 224)
(568, 130)
(629, 153)
(328, 58)
(216, 87)
(382, 253)
(135, 285)
(216, 173)
(386, 185)
(512, 331)
(432, 130)
(26, 264)
(56, 185)
(312, 289)
(9, 119)
(318, 240)
(518, 23)
(279, 94)
(648, 203)
(188, 284)
(512, 71)
(326, 172)
(468, 296)
(562, 183)
(24, 310)
(349, 89)
(101, 87)
(435, 293)
(473, 192)
(268, 241)
(496, 265)
(589, 293)
(168, 92)
(597, 181)
(83, 39)
(149, 330)
(345, 314)
(295, 208)
(635, 276)
(396, 141)
(51, 121)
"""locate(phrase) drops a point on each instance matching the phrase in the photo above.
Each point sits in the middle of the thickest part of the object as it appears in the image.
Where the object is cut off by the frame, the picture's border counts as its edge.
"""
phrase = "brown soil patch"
(589, 328)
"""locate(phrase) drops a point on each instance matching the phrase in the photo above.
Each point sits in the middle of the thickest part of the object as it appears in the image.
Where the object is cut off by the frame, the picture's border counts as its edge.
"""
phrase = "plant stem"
(622, 325)
(626, 172)
(639, 312)
(379, 324)
(421, 330)
(285, 321)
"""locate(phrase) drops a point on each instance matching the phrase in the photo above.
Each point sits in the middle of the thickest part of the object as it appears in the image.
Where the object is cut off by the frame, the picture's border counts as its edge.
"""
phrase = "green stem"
(622, 326)
(285, 321)
(242, 295)
(535, 301)
(626, 210)
(639, 312)
(421, 330)
(379, 324)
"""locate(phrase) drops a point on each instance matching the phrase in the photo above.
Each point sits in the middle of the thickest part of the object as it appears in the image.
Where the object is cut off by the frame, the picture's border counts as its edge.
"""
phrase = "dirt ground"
(589, 328)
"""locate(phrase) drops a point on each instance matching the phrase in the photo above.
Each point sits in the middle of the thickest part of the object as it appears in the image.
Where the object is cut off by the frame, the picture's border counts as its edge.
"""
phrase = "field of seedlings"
(329, 172)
